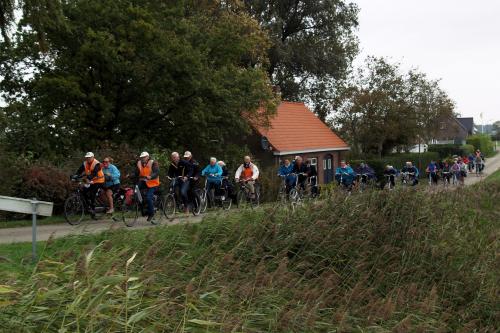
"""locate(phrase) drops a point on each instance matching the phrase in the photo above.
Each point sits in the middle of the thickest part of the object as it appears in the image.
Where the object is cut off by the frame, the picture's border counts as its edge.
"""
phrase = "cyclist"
(91, 170)
(193, 166)
(432, 169)
(345, 175)
(249, 173)
(225, 179)
(478, 162)
(300, 169)
(471, 159)
(391, 173)
(148, 172)
(112, 181)
(446, 172)
(213, 172)
(365, 172)
(412, 172)
(180, 171)
(286, 171)
(463, 170)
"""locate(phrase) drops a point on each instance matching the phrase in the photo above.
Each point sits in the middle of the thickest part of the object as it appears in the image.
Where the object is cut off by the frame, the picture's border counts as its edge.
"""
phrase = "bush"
(46, 183)
(398, 161)
(482, 142)
(445, 151)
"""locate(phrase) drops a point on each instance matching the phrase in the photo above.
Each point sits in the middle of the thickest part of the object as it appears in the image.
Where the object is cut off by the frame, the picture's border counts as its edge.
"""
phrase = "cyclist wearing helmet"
(94, 177)
(148, 172)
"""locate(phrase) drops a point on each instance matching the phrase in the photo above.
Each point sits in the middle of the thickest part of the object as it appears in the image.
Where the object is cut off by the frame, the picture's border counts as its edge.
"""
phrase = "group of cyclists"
(450, 171)
(183, 172)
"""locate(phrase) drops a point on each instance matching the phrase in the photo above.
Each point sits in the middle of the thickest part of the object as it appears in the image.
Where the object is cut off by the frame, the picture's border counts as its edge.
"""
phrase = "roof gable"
(295, 129)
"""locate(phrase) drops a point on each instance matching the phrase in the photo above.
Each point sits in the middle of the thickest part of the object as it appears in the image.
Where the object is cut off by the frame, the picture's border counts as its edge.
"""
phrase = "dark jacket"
(181, 169)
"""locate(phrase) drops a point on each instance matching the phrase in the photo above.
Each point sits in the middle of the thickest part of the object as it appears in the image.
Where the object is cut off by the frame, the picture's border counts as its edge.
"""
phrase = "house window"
(324, 164)
(329, 163)
(314, 161)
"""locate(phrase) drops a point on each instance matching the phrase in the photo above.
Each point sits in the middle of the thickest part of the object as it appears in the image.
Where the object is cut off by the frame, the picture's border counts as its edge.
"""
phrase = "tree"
(313, 45)
(139, 72)
(379, 108)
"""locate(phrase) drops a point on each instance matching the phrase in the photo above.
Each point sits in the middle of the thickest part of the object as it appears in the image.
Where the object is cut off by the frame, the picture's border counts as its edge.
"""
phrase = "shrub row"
(446, 151)
(482, 142)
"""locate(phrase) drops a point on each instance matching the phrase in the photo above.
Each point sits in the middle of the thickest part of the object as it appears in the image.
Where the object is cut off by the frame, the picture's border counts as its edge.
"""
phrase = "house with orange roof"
(296, 130)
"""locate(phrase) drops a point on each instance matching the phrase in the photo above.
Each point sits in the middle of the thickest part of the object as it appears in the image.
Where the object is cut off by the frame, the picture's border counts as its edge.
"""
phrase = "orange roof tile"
(295, 129)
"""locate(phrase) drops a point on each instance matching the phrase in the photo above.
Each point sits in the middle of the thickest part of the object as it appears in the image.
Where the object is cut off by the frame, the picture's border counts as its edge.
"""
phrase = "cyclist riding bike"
(247, 173)
(286, 171)
(412, 172)
(446, 172)
(365, 173)
(432, 170)
(300, 169)
(312, 173)
(180, 172)
(213, 172)
(148, 172)
(112, 181)
(390, 173)
(91, 171)
(345, 175)
(225, 179)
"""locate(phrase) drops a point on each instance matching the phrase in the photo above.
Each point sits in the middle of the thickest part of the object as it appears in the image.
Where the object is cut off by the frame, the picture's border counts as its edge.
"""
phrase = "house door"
(328, 168)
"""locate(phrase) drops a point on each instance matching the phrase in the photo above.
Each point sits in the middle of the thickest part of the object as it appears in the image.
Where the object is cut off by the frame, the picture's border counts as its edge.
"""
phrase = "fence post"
(34, 205)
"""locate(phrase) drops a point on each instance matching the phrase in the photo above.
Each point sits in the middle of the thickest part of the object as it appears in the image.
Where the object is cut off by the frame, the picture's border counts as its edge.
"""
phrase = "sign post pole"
(34, 204)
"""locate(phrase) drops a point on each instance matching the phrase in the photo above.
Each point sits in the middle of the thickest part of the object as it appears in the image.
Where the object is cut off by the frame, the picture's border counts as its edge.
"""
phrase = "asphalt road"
(23, 234)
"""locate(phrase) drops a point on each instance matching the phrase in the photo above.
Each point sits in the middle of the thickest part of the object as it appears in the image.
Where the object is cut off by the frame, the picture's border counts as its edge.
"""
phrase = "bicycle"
(407, 178)
(431, 178)
(390, 181)
(363, 181)
(77, 204)
(343, 184)
(136, 202)
(220, 197)
(244, 198)
(446, 178)
(173, 204)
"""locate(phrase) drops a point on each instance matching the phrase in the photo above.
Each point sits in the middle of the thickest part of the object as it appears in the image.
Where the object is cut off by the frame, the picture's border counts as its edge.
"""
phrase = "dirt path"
(492, 165)
(44, 232)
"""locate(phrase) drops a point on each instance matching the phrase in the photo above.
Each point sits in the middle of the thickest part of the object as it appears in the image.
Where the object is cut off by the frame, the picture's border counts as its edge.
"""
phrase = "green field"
(404, 261)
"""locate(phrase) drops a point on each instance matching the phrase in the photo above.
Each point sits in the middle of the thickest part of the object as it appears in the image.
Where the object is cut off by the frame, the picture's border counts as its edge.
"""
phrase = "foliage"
(482, 142)
(451, 150)
(313, 45)
(380, 108)
(324, 268)
(134, 72)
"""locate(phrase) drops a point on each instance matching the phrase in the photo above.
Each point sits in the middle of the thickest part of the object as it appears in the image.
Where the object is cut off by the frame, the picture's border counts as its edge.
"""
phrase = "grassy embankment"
(400, 261)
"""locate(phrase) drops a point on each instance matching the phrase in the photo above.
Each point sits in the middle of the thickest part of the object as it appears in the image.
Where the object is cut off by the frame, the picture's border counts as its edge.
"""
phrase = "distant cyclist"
(247, 173)
(446, 172)
(213, 172)
(300, 169)
(286, 171)
(432, 170)
(412, 172)
(112, 181)
(91, 171)
(180, 171)
(390, 174)
(345, 175)
(364, 173)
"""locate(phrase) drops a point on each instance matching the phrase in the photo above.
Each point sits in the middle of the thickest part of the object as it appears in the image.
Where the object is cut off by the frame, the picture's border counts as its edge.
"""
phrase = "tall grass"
(403, 261)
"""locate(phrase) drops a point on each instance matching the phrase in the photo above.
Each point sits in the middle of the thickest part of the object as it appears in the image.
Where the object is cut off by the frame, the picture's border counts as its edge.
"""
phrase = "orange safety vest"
(247, 172)
(89, 168)
(145, 171)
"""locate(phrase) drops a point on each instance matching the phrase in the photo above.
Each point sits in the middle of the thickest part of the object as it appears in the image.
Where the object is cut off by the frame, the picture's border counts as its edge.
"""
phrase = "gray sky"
(455, 40)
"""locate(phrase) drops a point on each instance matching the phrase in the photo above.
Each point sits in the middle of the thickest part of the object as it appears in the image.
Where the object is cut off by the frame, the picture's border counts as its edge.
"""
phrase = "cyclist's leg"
(93, 192)
(149, 199)
(251, 187)
(184, 194)
(109, 196)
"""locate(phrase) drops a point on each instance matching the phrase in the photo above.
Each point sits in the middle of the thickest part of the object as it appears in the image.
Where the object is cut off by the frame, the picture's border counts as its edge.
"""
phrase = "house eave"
(304, 151)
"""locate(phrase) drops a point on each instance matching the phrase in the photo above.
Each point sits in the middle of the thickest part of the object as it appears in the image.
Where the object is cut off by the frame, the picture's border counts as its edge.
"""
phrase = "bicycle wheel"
(241, 199)
(255, 201)
(202, 196)
(159, 209)
(226, 203)
(169, 206)
(198, 203)
(130, 213)
(74, 209)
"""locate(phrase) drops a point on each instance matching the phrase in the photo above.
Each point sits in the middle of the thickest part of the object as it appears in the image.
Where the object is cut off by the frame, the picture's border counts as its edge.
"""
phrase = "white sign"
(25, 206)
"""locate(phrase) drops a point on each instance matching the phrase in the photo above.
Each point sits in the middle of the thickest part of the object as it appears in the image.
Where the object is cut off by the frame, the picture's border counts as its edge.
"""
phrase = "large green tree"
(140, 72)
(313, 45)
(381, 108)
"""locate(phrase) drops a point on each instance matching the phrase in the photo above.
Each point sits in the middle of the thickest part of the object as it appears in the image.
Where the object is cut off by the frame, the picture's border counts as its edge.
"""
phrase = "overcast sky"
(455, 40)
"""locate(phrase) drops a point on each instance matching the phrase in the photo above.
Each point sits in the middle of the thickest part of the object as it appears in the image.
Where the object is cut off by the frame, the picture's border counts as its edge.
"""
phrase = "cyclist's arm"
(155, 170)
(94, 172)
(238, 172)
(255, 172)
(80, 170)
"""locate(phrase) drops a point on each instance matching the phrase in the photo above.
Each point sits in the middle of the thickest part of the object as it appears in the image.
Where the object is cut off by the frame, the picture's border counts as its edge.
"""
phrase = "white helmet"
(144, 154)
(89, 154)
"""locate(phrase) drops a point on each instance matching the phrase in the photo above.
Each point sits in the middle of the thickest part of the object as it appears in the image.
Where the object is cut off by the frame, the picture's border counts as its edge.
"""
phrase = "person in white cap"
(93, 175)
(148, 172)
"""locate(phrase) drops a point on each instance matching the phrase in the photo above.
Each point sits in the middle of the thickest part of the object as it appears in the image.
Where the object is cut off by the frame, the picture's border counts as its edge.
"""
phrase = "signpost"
(27, 206)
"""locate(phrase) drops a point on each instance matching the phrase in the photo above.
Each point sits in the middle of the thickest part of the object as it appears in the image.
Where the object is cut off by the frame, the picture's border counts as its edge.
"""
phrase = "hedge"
(448, 150)
(398, 161)
(482, 142)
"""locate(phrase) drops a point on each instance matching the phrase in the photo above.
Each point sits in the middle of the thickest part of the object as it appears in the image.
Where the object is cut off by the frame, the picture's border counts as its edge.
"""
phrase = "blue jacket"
(346, 173)
(285, 170)
(366, 171)
(216, 170)
(111, 175)
(432, 167)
